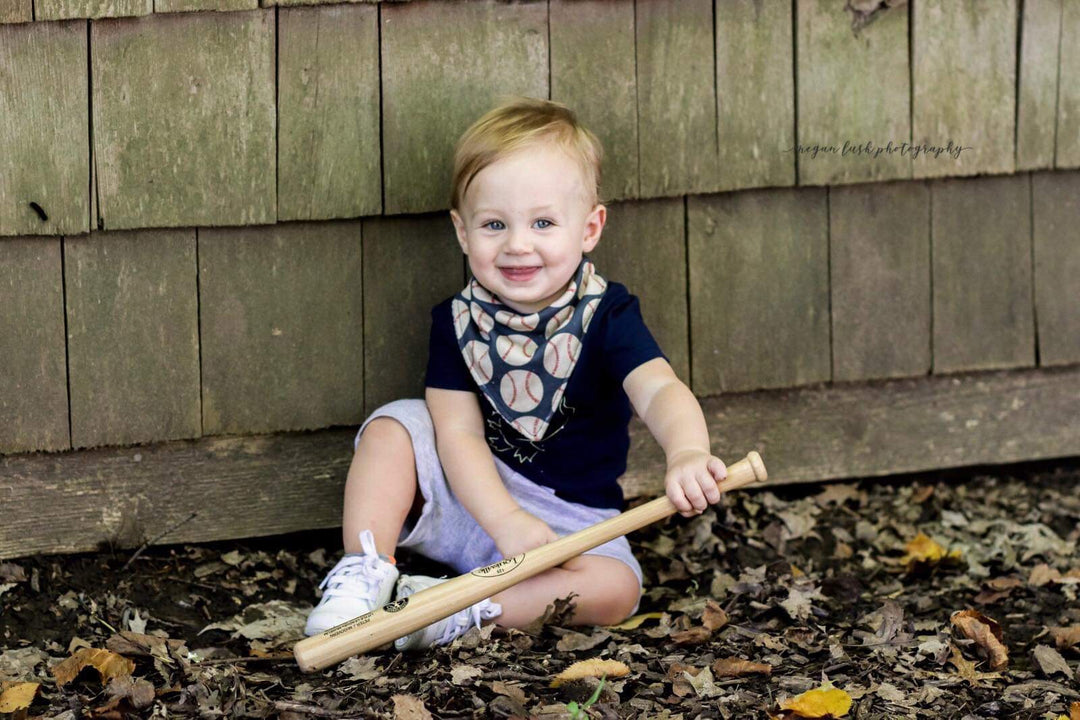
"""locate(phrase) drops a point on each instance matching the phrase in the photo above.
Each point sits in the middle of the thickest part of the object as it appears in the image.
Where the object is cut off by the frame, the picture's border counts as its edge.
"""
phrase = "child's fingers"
(708, 485)
(717, 468)
(692, 488)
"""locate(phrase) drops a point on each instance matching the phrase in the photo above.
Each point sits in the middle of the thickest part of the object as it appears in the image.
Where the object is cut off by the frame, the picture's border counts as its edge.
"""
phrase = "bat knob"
(758, 466)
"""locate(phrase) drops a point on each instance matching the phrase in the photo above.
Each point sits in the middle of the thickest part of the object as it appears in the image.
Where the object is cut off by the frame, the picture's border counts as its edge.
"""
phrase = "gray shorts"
(447, 533)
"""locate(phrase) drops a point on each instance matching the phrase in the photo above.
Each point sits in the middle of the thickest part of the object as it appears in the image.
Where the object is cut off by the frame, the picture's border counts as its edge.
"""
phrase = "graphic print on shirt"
(503, 439)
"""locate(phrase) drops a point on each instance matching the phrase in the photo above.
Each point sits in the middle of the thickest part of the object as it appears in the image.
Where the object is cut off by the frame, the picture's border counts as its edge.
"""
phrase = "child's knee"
(619, 589)
(386, 431)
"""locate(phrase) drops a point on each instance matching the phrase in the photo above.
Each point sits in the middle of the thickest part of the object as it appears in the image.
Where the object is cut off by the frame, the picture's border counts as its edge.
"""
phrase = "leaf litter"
(938, 595)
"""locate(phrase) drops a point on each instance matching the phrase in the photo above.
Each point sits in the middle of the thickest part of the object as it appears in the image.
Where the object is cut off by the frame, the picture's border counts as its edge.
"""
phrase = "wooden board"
(1056, 210)
(964, 76)
(410, 264)
(879, 276)
(443, 66)
(982, 294)
(759, 289)
(133, 336)
(164, 6)
(853, 97)
(644, 247)
(33, 384)
(755, 88)
(1067, 152)
(1037, 89)
(282, 327)
(44, 132)
(69, 9)
(16, 11)
(248, 486)
(328, 113)
(593, 72)
(676, 97)
(207, 159)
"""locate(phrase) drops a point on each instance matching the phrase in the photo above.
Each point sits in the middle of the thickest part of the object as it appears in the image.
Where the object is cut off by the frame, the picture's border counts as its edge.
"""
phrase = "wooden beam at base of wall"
(263, 485)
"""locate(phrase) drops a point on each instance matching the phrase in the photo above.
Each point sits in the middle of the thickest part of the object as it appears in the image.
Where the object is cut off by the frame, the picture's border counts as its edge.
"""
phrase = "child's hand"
(521, 531)
(691, 481)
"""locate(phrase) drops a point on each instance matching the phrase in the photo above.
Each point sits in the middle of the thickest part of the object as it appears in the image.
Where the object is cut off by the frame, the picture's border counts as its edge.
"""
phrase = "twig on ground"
(153, 540)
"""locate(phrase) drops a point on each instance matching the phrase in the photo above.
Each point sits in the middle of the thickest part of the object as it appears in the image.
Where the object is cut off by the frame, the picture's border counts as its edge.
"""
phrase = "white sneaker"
(360, 582)
(444, 631)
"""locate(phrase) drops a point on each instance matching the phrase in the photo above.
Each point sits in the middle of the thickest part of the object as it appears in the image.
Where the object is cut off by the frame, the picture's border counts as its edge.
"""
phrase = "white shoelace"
(359, 574)
(469, 617)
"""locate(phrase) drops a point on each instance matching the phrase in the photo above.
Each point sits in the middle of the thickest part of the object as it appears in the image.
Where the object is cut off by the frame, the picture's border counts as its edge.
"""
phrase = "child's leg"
(607, 591)
(380, 490)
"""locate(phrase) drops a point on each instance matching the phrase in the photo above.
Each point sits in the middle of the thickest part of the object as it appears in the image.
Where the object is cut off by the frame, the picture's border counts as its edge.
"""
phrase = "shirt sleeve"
(627, 340)
(446, 367)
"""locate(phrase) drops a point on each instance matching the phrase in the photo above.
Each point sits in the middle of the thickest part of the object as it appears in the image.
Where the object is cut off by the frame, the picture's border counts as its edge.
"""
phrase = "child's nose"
(519, 241)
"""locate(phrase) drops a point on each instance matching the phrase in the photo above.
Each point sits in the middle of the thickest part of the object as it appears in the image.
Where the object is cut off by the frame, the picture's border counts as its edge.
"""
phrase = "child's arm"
(470, 471)
(673, 416)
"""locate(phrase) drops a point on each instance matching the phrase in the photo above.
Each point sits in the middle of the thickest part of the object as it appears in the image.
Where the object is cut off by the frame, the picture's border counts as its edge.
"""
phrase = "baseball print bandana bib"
(522, 363)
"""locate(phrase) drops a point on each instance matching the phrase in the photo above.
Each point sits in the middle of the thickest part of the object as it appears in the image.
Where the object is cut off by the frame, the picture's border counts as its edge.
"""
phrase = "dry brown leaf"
(822, 702)
(408, 707)
(966, 668)
(1050, 661)
(590, 668)
(1074, 711)
(108, 664)
(1066, 637)
(714, 617)
(736, 667)
(693, 636)
(986, 633)
(17, 696)
(634, 622)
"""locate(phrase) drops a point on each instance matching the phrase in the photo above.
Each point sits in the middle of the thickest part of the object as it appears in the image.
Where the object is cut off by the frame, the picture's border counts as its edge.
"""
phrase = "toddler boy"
(532, 371)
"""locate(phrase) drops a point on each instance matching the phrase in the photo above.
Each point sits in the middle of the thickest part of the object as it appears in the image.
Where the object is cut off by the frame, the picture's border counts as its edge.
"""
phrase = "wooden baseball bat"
(401, 617)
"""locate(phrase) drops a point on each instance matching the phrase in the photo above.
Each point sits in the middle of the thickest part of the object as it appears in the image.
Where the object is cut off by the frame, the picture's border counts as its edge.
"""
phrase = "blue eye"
(545, 227)
(493, 222)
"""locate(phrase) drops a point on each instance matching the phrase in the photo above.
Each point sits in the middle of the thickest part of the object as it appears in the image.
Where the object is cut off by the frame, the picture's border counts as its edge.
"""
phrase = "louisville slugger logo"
(349, 625)
(393, 607)
(499, 568)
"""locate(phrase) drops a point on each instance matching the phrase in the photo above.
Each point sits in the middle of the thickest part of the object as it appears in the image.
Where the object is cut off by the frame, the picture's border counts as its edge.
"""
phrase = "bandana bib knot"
(522, 363)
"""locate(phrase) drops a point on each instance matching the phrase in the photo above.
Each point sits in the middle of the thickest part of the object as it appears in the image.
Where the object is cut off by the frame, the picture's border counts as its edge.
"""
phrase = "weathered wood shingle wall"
(227, 218)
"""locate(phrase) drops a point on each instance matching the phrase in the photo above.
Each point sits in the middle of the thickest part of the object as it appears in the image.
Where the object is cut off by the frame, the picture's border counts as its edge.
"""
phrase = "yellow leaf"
(922, 549)
(822, 702)
(108, 664)
(635, 622)
(17, 696)
(1074, 711)
(590, 668)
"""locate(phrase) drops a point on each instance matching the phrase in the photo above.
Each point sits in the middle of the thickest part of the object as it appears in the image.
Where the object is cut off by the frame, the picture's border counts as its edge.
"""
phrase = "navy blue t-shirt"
(583, 452)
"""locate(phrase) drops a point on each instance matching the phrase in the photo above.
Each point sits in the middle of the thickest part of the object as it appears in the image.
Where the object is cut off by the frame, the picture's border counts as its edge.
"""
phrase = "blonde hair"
(517, 123)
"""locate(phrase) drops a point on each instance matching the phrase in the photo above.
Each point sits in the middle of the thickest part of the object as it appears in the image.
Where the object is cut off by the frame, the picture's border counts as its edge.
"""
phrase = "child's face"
(528, 211)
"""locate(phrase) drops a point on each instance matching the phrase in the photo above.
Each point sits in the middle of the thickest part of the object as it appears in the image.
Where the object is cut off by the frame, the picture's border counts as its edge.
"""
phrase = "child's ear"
(459, 229)
(594, 225)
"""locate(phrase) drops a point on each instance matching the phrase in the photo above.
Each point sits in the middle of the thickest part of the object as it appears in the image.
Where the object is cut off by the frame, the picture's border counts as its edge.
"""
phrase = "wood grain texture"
(44, 131)
(755, 88)
(854, 95)
(424, 260)
(71, 9)
(188, 140)
(287, 3)
(879, 249)
(964, 75)
(644, 247)
(593, 72)
(16, 11)
(676, 97)
(1056, 210)
(240, 487)
(168, 6)
(444, 65)
(282, 327)
(133, 336)
(33, 384)
(982, 296)
(1067, 151)
(1037, 90)
(759, 289)
(328, 113)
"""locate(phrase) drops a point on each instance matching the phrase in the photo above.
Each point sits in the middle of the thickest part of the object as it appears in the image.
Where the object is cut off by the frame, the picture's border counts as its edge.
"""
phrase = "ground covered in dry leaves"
(946, 595)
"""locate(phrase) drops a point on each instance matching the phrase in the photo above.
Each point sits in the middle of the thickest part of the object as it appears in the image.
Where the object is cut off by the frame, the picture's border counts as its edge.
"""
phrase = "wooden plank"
(45, 132)
(133, 336)
(282, 330)
(964, 75)
(1067, 151)
(328, 113)
(16, 11)
(443, 65)
(591, 40)
(1056, 211)
(759, 289)
(676, 97)
(1036, 112)
(851, 97)
(879, 269)
(644, 247)
(249, 486)
(292, 3)
(168, 6)
(33, 384)
(410, 265)
(187, 141)
(755, 87)
(240, 487)
(982, 296)
(68, 9)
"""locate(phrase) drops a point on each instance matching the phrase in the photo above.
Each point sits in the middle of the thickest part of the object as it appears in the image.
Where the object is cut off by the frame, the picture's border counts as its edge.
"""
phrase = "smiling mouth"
(519, 273)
